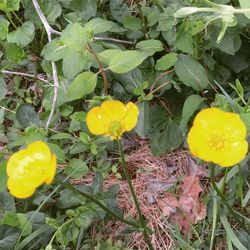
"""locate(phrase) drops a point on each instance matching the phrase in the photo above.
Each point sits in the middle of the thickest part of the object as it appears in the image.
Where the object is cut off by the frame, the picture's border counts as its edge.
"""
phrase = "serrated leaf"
(22, 36)
(75, 37)
(191, 72)
(166, 61)
(126, 61)
(82, 85)
(150, 46)
(27, 116)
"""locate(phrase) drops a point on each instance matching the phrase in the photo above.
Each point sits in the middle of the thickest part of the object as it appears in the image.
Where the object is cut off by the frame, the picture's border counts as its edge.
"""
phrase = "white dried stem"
(49, 31)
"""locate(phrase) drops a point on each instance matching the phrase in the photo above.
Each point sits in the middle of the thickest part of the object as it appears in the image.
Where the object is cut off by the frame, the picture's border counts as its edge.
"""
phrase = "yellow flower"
(29, 168)
(112, 118)
(219, 137)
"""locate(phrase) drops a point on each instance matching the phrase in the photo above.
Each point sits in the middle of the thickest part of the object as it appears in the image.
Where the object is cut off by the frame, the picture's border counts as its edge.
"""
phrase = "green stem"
(9, 17)
(97, 202)
(17, 17)
(222, 197)
(125, 170)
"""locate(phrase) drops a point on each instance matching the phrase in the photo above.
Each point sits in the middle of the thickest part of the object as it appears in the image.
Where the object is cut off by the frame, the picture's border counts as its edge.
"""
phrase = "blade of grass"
(230, 233)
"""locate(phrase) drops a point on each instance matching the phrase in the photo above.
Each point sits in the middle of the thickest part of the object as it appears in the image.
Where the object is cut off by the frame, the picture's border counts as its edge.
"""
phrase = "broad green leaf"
(3, 88)
(82, 85)
(192, 104)
(99, 25)
(3, 176)
(54, 51)
(165, 134)
(75, 37)
(74, 62)
(143, 124)
(27, 116)
(7, 203)
(126, 61)
(86, 8)
(244, 4)
(4, 28)
(106, 56)
(166, 61)
(8, 237)
(23, 224)
(149, 47)
(76, 169)
(23, 35)
(14, 52)
(69, 231)
(97, 183)
(132, 23)
(191, 72)
(119, 10)
(166, 19)
(9, 5)
(58, 151)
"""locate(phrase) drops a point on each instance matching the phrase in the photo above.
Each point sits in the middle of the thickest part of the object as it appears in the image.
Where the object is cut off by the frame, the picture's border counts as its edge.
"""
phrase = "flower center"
(216, 141)
(115, 129)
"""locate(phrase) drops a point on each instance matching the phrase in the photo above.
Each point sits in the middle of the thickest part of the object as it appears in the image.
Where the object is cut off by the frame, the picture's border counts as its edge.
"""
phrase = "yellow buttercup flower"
(112, 118)
(29, 168)
(219, 137)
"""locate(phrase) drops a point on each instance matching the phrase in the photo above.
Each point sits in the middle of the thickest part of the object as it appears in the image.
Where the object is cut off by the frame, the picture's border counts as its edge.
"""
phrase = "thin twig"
(7, 72)
(105, 80)
(108, 39)
(49, 31)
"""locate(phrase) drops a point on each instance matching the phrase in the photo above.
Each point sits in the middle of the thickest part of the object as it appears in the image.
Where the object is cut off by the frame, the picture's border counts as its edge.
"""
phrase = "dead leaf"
(168, 204)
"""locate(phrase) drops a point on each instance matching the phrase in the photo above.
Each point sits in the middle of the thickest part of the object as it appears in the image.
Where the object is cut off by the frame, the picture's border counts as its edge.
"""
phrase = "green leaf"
(69, 231)
(143, 124)
(230, 233)
(132, 23)
(9, 5)
(54, 51)
(14, 53)
(165, 134)
(4, 28)
(126, 61)
(8, 237)
(74, 62)
(99, 25)
(106, 56)
(76, 169)
(86, 8)
(3, 176)
(82, 85)
(149, 47)
(192, 104)
(58, 151)
(166, 61)
(245, 117)
(27, 116)
(7, 203)
(97, 183)
(24, 224)
(23, 35)
(3, 88)
(191, 72)
(75, 37)
(244, 4)
(119, 10)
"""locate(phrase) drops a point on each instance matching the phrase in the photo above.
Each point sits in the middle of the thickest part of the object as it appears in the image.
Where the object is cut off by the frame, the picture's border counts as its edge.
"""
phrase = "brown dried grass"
(150, 177)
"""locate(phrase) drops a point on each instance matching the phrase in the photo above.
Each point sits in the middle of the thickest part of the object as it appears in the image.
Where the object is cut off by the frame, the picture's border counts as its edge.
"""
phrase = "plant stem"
(9, 17)
(126, 173)
(97, 202)
(222, 197)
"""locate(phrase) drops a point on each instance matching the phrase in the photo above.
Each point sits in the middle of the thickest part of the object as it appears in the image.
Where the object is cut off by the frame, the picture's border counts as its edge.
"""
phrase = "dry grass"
(151, 177)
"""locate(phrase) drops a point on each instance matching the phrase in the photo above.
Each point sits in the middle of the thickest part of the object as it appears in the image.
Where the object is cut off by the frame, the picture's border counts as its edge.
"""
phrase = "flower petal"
(97, 121)
(51, 170)
(19, 190)
(131, 118)
(115, 110)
